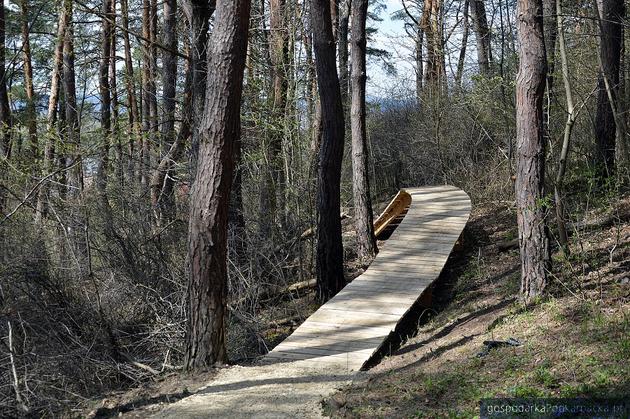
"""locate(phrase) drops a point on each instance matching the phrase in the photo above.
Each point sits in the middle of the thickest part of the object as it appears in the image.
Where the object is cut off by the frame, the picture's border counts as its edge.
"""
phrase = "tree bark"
(105, 93)
(530, 172)
(162, 183)
(31, 113)
(611, 40)
(198, 13)
(161, 186)
(5, 110)
(363, 217)
(329, 245)
(563, 236)
(51, 116)
(551, 34)
(146, 91)
(482, 32)
(113, 84)
(431, 23)
(344, 21)
(272, 192)
(207, 231)
(72, 134)
(132, 101)
(5, 113)
(462, 51)
(149, 99)
(169, 72)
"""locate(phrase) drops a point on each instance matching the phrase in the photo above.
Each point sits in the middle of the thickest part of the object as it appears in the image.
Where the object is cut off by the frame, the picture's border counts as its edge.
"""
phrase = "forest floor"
(575, 342)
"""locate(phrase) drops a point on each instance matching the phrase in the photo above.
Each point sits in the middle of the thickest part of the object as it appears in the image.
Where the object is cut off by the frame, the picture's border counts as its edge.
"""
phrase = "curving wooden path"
(332, 345)
(347, 330)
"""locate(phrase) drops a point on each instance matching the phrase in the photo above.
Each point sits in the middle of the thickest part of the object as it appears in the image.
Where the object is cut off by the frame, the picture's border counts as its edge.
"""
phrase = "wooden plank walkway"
(346, 331)
(328, 349)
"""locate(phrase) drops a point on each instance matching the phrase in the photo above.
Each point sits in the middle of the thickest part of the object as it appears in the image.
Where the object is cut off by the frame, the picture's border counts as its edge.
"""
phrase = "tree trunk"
(146, 90)
(272, 191)
(363, 217)
(551, 34)
(530, 88)
(31, 113)
(169, 72)
(431, 23)
(330, 277)
(162, 183)
(482, 32)
(113, 83)
(51, 118)
(419, 62)
(5, 110)
(563, 236)
(344, 20)
(462, 51)
(611, 12)
(132, 102)
(105, 93)
(334, 18)
(5, 114)
(161, 187)
(149, 100)
(207, 231)
(72, 137)
(199, 13)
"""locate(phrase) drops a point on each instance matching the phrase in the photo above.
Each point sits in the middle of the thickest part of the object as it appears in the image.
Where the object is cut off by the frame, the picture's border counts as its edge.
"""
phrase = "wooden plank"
(308, 339)
(312, 330)
(410, 287)
(389, 297)
(372, 309)
(416, 266)
(338, 326)
(366, 308)
(353, 318)
(351, 359)
(322, 351)
(347, 330)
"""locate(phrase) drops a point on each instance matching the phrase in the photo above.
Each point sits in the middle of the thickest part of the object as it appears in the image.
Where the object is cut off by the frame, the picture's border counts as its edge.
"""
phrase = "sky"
(391, 37)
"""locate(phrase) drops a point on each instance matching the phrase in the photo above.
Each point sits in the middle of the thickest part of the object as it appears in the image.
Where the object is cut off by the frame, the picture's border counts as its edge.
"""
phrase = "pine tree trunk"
(51, 118)
(530, 172)
(162, 184)
(482, 32)
(72, 137)
(105, 93)
(132, 102)
(344, 21)
(431, 24)
(462, 51)
(551, 33)
(611, 40)
(5, 110)
(146, 91)
(199, 13)
(207, 231)
(563, 236)
(363, 217)
(330, 276)
(31, 113)
(272, 205)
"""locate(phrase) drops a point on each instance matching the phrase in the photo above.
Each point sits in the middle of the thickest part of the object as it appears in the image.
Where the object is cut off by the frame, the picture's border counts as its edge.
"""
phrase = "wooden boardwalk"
(328, 349)
(345, 332)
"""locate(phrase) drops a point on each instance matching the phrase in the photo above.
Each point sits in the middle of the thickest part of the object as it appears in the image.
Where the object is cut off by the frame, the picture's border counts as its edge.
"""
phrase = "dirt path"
(278, 390)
